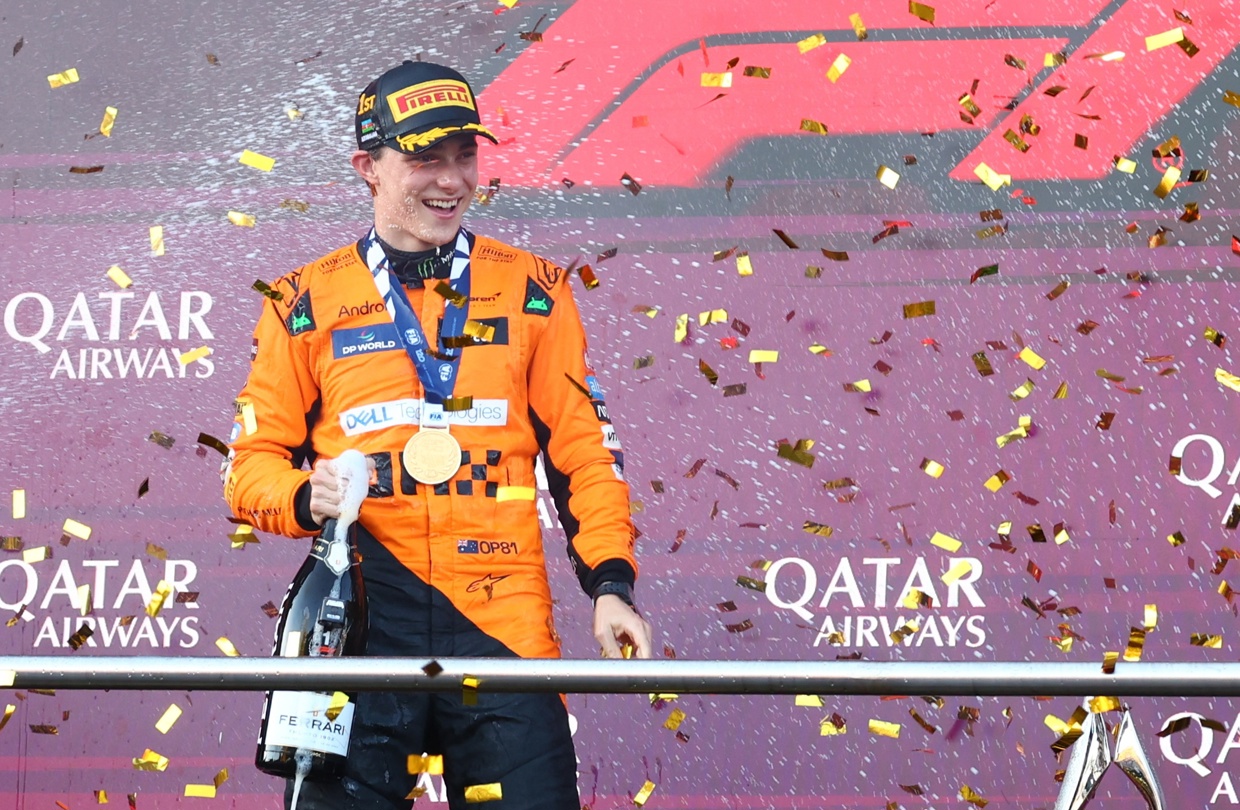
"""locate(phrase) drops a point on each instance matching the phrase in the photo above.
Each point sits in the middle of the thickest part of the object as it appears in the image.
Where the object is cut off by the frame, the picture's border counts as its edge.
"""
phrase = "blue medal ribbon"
(438, 374)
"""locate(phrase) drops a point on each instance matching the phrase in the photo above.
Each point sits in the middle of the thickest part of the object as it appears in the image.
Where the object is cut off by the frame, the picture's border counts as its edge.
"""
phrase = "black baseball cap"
(414, 106)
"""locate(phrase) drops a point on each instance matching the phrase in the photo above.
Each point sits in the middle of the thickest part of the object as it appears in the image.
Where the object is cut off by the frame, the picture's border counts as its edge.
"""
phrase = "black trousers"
(519, 741)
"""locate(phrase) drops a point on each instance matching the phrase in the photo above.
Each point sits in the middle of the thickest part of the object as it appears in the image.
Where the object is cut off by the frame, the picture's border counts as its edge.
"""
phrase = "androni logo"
(364, 340)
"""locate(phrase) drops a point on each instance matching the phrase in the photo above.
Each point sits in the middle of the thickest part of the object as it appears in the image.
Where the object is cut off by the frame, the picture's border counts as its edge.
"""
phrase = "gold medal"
(432, 455)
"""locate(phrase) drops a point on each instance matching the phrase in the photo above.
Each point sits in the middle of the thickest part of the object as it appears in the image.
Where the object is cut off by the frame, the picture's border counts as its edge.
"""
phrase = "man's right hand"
(325, 489)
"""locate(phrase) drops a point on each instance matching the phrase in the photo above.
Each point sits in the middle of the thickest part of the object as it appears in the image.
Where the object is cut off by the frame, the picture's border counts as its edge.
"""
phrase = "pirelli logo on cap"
(428, 96)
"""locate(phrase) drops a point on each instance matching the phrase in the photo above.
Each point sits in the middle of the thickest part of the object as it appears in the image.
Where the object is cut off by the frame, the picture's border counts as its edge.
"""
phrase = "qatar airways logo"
(93, 337)
(864, 610)
(355, 342)
(108, 597)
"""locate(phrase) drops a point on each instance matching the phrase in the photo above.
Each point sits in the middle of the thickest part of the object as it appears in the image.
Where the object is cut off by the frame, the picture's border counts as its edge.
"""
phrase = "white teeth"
(444, 204)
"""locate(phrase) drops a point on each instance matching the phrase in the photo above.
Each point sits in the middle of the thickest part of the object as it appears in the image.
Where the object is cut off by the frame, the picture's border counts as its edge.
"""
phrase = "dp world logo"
(363, 340)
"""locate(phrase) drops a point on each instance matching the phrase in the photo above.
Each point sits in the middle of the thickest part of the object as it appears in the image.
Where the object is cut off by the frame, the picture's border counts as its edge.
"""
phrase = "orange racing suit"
(330, 373)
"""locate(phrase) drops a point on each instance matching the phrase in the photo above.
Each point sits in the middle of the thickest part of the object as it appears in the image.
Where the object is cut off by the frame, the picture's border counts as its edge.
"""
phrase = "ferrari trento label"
(299, 720)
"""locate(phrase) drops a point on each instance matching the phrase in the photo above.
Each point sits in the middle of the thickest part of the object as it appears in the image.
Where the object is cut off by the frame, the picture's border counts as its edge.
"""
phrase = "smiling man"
(452, 361)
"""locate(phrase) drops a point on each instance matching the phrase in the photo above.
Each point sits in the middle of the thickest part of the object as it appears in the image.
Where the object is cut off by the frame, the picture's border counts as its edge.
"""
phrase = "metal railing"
(1013, 678)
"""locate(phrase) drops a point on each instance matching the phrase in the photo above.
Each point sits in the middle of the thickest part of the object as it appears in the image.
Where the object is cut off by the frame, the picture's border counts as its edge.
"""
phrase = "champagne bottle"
(323, 615)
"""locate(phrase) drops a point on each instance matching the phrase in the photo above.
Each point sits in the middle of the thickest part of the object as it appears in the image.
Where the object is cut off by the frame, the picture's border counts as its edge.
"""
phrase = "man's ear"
(364, 165)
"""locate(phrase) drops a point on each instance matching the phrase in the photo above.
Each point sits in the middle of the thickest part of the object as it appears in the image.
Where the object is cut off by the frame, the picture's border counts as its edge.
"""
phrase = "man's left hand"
(616, 623)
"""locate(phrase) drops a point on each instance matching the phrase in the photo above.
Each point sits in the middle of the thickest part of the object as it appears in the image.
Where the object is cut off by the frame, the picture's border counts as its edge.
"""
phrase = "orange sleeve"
(582, 457)
(281, 394)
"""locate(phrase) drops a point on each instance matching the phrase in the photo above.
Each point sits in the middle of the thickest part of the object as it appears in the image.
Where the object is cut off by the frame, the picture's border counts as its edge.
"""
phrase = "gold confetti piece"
(743, 266)
(587, 276)
(837, 69)
(1176, 539)
(644, 793)
(1136, 643)
(242, 536)
(109, 119)
(751, 583)
(19, 504)
(1054, 59)
(1022, 391)
(78, 530)
(820, 529)
(921, 11)
(992, 178)
(1226, 379)
(200, 791)
(960, 569)
(674, 720)
(1125, 165)
(858, 387)
(1164, 39)
(918, 309)
(469, 690)
(995, 482)
(809, 43)
(786, 239)
(1231, 97)
(932, 468)
(945, 541)
(336, 706)
(119, 277)
(44, 729)
(1060, 289)
(1167, 147)
(810, 125)
(1109, 660)
(157, 240)
(812, 701)
(681, 330)
(511, 493)
(425, 763)
(858, 26)
(150, 761)
(717, 79)
(257, 161)
(818, 348)
(972, 797)
(194, 354)
(884, 729)
(904, 631)
(64, 77)
(249, 421)
(80, 636)
(220, 778)
(1170, 177)
(829, 728)
(162, 591)
(1062, 391)
(1061, 534)
(763, 356)
(1031, 357)
(1205, 640)
(887, 177)
(168, 719)
(34, 555)
(970, 105)
(240, 219)
(101, 797)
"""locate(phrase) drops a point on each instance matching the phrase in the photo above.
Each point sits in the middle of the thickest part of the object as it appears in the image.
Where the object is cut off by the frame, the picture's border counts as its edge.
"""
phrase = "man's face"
(420, 199)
